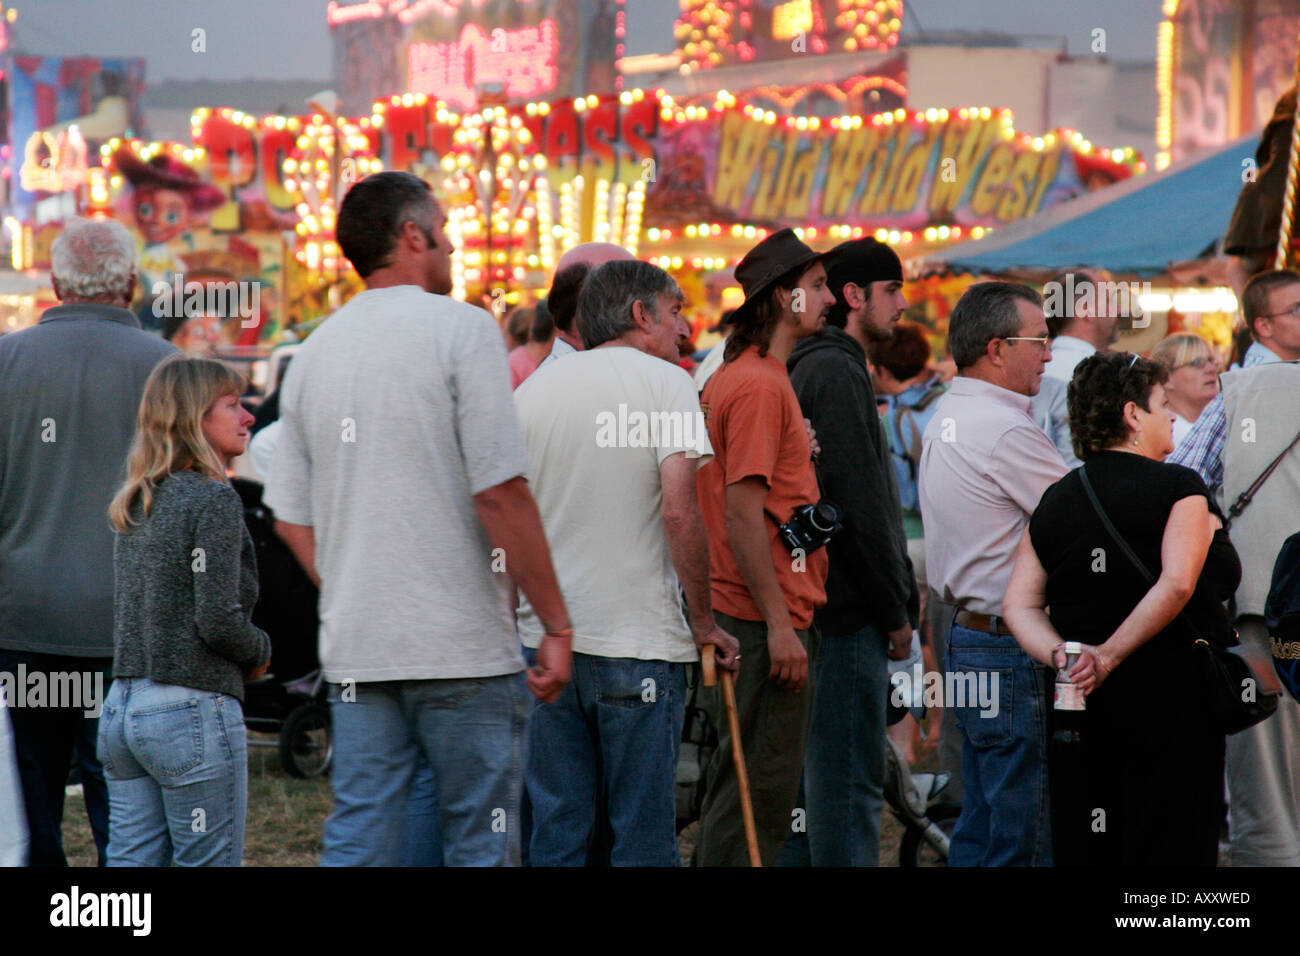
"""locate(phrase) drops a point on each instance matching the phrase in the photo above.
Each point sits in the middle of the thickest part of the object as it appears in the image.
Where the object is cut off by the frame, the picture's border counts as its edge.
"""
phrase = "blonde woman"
(172, 737)
(1193, 378)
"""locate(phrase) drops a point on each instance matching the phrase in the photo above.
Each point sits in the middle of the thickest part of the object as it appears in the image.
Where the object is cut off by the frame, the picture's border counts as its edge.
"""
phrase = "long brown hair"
(756, 325)
(169, 431)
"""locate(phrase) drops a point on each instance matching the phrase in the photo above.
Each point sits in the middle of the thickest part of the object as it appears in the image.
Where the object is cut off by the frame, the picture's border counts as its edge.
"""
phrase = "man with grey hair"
(615, 435)
(70, 389)
(984, 465)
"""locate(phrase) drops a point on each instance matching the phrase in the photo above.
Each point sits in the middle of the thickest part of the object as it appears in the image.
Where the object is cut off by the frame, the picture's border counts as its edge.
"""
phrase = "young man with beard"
(762, 593)
(866, 618)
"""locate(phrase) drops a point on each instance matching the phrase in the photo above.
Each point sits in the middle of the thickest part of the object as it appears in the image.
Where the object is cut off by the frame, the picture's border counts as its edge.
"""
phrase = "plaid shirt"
(1202, 449)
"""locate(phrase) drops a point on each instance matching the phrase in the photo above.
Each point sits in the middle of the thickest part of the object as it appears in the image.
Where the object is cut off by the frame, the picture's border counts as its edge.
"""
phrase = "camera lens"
(824, 516)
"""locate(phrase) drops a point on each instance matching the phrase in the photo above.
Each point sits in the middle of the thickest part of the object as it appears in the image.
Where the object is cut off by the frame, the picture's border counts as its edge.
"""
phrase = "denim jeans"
(611, 739)
(1004, 818)
(45, 740)
(844, 765)
(176, 761)
(471, 732)
(422, 841)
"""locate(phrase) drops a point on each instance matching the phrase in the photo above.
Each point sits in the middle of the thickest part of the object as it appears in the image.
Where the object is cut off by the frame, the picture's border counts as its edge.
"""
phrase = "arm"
(1025, 605)
(221, 619)
(510, 518)
(688, 546)
(1183, 550)
(301, 540)
(747, 532)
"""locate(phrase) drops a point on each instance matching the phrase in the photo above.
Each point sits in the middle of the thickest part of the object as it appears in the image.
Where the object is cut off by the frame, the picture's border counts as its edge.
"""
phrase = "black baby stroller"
(290, 700)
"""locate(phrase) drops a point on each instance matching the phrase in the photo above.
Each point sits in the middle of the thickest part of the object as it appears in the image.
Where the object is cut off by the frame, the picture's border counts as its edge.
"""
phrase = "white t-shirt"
(598, 426)
(395, 412)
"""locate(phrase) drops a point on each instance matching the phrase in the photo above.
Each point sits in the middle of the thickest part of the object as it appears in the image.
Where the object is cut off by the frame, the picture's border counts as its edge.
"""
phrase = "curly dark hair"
(1102, 385)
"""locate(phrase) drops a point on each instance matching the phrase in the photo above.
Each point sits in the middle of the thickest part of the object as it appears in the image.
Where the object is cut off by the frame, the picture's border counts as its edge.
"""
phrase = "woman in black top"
(1144, 784)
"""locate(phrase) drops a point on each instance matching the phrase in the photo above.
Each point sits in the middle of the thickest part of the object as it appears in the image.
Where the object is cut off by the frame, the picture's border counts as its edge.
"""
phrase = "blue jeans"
(844, 763)
(176, 761)
(45, 740)
(471, 732)
(1004, 818)
(611, 739)
(422, 841)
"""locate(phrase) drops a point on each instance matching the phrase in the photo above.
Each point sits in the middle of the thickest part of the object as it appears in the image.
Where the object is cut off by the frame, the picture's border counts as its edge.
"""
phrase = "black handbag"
(1227, 674)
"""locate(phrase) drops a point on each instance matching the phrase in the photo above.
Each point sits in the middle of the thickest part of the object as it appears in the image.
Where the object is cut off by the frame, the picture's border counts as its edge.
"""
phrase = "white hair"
(93, 258)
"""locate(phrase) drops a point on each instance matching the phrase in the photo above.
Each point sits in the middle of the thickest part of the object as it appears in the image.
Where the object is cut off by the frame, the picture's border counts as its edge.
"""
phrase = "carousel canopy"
(1136, 227)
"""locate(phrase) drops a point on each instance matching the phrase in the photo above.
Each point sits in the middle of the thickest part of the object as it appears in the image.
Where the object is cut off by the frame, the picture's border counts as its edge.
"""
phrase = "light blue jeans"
(471, 731)
(176, 762)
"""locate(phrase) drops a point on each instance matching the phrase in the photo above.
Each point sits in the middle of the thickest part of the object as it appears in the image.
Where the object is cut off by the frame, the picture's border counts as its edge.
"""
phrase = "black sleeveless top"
(1092, 586)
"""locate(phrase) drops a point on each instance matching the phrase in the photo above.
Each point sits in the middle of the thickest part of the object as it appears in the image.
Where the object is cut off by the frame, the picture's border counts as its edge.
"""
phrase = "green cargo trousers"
(774, 731)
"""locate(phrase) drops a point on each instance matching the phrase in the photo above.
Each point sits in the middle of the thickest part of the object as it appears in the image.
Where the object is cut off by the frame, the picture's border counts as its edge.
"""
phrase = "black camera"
(811, 526)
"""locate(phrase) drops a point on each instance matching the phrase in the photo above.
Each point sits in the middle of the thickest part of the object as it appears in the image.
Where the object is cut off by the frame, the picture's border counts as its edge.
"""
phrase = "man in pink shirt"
(984, 466)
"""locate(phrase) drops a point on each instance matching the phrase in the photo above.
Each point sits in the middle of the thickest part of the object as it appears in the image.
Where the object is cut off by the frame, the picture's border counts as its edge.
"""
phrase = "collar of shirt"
(978, 388)
(1259, 355)
(89, 310)
(560, 347)
(1068, 343)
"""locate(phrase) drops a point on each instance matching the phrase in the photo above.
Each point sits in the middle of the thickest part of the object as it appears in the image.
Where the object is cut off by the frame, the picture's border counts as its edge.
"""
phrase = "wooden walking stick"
(737, 751)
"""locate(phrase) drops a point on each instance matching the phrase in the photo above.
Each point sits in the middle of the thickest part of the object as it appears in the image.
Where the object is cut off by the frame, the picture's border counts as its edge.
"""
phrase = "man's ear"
(854, 296)
(993, 351)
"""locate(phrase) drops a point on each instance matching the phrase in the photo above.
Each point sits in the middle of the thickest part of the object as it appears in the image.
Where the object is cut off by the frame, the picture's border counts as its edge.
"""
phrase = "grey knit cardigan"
(185, 583)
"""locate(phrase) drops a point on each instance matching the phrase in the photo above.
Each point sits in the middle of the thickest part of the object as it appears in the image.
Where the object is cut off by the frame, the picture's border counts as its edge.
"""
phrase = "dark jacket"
(70, 389)
(870, 579)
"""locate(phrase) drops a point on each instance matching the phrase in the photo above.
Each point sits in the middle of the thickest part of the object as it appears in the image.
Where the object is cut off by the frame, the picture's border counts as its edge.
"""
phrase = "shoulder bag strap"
(1124, 546)
(1248, 495)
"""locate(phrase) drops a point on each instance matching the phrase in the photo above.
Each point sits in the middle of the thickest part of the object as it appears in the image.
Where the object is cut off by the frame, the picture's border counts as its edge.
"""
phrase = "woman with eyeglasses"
(1143, 784)
(1193, 378)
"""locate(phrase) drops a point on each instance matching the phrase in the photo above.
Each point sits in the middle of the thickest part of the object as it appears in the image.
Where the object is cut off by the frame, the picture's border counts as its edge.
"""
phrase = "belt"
(989, 624)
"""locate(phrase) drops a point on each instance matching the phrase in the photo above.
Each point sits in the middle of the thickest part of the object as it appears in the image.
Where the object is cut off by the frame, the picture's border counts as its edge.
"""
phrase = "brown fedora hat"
(779, 253)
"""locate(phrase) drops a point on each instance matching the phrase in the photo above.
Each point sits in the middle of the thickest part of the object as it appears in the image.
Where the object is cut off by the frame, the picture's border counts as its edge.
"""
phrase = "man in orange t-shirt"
(763, 593)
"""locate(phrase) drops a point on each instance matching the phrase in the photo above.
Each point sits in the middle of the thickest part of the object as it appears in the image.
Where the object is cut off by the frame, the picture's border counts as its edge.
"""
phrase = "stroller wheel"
(306, 743)
(915, 850)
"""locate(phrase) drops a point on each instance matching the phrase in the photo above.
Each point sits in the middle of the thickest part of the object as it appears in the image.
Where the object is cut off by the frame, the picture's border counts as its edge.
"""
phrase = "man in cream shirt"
(984, 466)
(615, 435)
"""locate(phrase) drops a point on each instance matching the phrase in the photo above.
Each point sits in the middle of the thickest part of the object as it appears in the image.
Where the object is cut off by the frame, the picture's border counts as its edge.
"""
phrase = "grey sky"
(289, 40)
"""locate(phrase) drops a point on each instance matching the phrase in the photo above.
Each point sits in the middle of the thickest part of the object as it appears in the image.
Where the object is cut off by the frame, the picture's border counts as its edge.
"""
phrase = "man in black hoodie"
(870, 585)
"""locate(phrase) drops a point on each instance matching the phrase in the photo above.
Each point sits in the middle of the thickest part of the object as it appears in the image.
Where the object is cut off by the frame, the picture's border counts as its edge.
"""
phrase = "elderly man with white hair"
(70, 389)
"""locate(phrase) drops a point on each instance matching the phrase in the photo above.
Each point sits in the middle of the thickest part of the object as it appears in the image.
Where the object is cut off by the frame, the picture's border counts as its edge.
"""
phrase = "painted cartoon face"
(161, 214)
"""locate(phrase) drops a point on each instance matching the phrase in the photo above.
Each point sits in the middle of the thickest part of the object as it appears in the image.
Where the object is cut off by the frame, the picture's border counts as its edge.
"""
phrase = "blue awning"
(1135, 227)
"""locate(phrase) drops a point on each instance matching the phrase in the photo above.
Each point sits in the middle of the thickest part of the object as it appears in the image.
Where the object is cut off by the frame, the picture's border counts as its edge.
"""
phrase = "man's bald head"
(592, 254)
(570, 272)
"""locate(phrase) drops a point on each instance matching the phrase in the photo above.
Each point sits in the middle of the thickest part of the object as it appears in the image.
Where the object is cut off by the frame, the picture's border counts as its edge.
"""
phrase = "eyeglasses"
(1294, 312)
(1041, 340)
(1196, 363)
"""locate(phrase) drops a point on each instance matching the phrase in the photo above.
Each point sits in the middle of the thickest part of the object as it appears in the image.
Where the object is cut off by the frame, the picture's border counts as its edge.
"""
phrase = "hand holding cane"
(737, 751)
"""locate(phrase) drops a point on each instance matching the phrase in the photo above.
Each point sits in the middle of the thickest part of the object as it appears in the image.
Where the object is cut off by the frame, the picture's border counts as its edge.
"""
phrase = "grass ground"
(286, 816)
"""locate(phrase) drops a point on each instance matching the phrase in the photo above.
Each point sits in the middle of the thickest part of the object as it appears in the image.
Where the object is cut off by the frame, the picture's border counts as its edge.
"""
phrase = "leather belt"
(989, 624)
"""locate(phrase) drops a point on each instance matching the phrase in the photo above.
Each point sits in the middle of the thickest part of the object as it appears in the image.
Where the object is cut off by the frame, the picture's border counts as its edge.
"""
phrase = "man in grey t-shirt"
(70, 389)
(398, 481)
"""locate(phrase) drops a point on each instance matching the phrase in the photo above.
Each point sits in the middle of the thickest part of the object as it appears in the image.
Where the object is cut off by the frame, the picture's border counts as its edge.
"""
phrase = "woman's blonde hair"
(169, 431)
(1175, 351)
